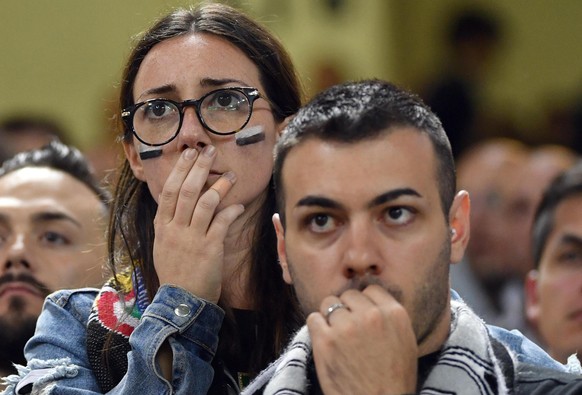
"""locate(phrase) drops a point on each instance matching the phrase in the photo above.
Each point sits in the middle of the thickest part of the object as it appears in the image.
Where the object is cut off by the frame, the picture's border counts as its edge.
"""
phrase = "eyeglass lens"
(223, 111)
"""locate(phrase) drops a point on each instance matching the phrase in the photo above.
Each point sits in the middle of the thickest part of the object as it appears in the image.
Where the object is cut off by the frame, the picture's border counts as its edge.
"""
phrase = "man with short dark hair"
(25, 132)
(554, 287)
(52, 227)
(369, 222)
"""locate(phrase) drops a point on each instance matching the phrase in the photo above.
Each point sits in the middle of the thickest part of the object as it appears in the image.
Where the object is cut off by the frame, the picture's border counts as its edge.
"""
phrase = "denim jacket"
(57, 353)
(526, 351)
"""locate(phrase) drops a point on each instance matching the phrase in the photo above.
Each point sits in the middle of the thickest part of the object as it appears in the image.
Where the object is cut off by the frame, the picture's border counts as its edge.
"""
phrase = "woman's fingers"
(169, 197)
(223, 220)
(190, 193)
(223, 184)
(205, 210)
(182, 189)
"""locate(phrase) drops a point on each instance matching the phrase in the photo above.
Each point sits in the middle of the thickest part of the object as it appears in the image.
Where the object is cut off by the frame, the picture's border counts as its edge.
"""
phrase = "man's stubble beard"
(15, 330)
(430, 300)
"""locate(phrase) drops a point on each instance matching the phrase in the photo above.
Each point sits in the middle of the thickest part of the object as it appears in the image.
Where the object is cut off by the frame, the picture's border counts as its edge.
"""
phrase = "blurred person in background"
(52, 236)
(473, 39)
(543, 164)
(485, 279)
(26, 132)
(554, 287)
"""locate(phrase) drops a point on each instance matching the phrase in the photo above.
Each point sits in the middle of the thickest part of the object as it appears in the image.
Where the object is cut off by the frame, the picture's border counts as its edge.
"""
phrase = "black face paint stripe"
(255, 138)
(250, 135)
(150, 154)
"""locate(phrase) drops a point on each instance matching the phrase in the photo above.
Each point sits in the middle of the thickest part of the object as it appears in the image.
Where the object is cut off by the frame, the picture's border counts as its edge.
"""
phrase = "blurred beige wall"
(64, 57)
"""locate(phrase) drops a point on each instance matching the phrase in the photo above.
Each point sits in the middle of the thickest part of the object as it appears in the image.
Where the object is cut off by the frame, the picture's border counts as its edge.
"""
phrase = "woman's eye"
(54, 238)
(226, 101)
(321, 223)
(398, 215)
(158, 109)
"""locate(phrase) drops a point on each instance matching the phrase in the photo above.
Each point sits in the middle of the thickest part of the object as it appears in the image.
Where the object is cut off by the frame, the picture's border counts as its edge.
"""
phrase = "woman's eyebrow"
(217, 82)
(158, 90)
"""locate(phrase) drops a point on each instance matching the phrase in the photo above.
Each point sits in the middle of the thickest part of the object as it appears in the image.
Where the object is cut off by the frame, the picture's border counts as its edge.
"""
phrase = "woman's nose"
(192, 134)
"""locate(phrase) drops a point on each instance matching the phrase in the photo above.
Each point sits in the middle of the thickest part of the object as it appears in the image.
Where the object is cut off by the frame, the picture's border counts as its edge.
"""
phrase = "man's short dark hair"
(356, 111)
(58, 156)
(564, 186)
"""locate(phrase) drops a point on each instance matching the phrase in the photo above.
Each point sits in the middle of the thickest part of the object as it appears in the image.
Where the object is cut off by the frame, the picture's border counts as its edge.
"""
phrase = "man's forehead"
(391, 161)
(40, 187)
(40, 180)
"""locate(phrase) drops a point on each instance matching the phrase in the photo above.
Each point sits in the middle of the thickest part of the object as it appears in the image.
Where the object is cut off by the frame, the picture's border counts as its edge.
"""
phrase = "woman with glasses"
(197, 303)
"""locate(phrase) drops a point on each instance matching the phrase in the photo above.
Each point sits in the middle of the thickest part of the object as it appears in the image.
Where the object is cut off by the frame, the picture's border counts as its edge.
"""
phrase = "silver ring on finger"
(333, 308)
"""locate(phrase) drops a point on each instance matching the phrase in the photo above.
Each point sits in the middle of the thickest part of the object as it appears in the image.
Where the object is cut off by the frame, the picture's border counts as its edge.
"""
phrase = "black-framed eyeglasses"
(223, 111)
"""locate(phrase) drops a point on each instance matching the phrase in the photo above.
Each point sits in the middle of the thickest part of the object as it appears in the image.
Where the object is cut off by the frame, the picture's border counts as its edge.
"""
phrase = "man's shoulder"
(538, 380)
(530, 370)
(523, 349)
(68, 299)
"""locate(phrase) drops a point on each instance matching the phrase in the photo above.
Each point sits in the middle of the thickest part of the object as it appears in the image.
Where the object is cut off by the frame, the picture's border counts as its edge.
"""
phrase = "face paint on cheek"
(251, 135)
(148, 152)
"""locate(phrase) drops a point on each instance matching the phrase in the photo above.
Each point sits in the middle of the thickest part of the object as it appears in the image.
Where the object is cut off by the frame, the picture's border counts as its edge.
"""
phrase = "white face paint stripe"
(250, 135)
(145, 148)
(149, 152)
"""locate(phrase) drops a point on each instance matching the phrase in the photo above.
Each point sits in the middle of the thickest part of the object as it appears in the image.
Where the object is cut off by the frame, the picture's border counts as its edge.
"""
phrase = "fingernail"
(190, 154)
(230, 176)
(208, 150)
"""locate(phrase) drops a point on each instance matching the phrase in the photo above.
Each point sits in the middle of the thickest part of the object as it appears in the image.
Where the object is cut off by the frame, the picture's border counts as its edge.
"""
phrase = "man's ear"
(281, 126)
(460, 226)
(281, 248)
(134, 160)
(532, 300)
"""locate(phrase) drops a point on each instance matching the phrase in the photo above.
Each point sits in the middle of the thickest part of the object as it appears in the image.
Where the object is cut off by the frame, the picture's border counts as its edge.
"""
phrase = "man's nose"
(16, 256)
(362, 252)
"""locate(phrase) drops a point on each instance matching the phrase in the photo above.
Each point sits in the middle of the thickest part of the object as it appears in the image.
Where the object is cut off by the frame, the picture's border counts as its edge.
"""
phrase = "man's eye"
(571, 257)
(321, 223)
(398, 215)
(54, 238)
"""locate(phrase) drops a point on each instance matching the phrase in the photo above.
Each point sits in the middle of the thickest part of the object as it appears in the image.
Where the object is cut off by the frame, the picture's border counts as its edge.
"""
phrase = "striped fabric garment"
(467, 364)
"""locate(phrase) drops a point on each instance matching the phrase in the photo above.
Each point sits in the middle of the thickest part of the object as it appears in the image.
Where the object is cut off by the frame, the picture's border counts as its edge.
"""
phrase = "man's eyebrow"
(54, 216)
(318, 201)
(570, 238)
(393, 195)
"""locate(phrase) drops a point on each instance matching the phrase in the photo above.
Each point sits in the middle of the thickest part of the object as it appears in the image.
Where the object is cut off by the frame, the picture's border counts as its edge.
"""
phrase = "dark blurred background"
(488, 68)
